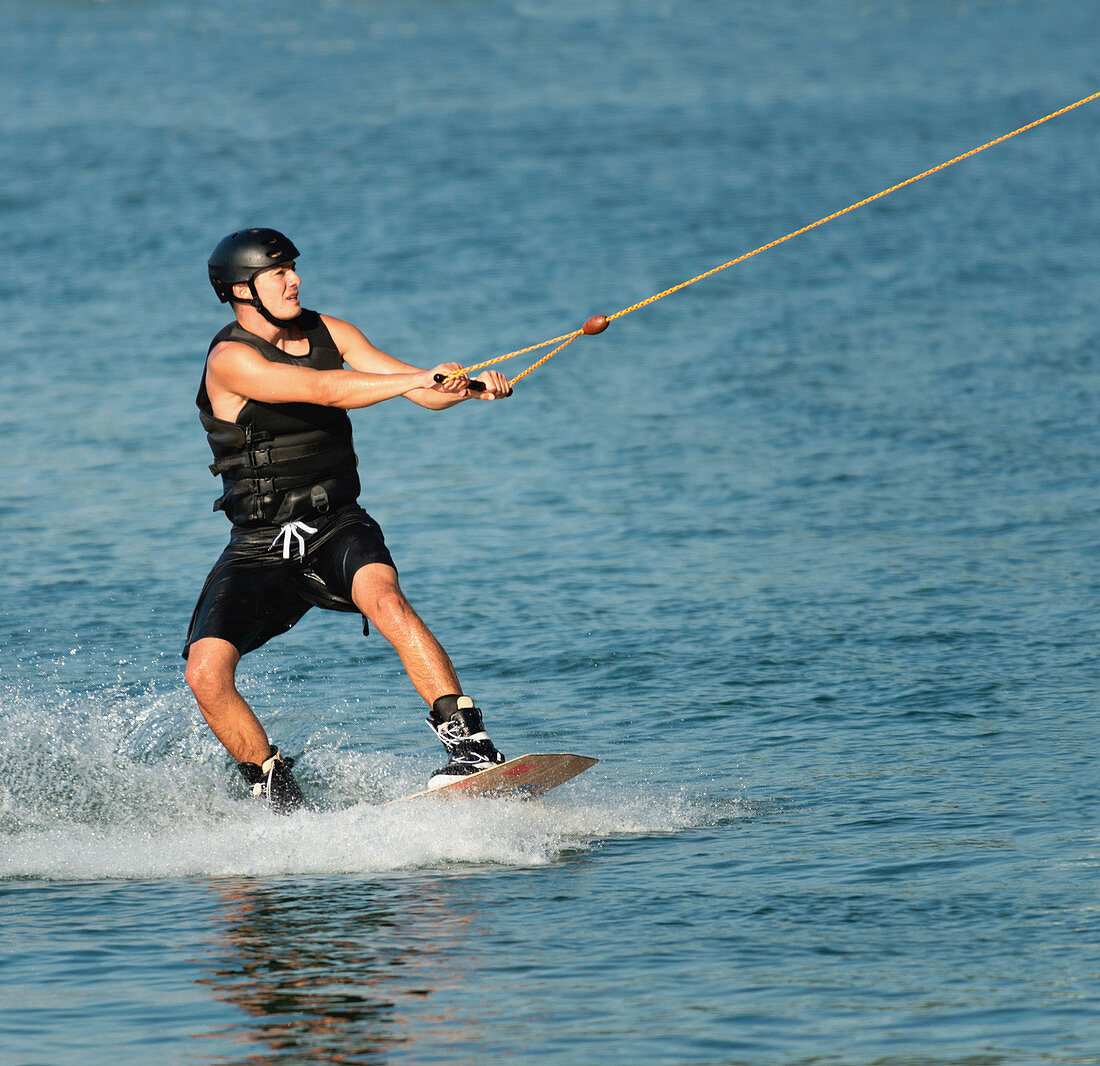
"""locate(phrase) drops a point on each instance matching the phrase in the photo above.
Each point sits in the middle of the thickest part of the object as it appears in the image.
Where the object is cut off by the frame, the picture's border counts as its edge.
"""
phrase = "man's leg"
(454, 719)
(211, 668)
(377, 594)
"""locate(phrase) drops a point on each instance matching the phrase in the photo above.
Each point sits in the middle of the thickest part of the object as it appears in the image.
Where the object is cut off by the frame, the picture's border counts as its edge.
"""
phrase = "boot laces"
(454, 733)
(262, 789)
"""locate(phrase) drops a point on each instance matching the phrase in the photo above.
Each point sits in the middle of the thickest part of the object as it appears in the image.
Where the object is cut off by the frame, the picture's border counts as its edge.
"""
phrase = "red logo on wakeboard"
(521, 769)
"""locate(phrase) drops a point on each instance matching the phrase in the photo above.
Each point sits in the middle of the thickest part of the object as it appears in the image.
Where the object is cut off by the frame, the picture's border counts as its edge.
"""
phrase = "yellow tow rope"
(598, 323)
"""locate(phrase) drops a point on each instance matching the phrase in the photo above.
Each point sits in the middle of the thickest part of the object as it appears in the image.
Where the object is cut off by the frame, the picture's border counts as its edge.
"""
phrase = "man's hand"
(439, 379)
(495, 386)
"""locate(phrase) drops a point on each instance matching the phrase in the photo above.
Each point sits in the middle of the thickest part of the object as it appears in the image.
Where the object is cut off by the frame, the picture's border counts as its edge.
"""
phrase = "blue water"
(805, 554)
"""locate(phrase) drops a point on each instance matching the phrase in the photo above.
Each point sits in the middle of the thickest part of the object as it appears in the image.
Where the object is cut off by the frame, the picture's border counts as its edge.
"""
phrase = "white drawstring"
(293, 529)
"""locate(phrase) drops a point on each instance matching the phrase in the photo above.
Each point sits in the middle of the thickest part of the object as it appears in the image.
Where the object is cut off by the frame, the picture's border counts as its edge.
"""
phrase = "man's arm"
(361, 355)
(237, 372)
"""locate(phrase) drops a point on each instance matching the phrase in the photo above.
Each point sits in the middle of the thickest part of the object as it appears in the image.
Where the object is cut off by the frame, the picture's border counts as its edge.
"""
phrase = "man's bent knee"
(211, 665)
(377, 594)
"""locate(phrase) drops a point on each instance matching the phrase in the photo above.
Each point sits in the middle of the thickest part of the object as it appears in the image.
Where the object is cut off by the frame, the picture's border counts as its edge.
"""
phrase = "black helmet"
(239, 257)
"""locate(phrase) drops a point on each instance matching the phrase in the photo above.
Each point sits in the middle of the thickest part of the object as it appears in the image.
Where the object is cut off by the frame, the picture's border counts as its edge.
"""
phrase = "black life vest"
(280, 462)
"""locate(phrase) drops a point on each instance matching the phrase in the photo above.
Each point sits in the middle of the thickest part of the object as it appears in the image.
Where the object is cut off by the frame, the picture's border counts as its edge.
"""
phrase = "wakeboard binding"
(273, 782)
(458, 725)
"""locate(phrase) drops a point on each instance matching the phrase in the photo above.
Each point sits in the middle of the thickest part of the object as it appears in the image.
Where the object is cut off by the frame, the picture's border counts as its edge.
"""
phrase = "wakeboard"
(522, 778)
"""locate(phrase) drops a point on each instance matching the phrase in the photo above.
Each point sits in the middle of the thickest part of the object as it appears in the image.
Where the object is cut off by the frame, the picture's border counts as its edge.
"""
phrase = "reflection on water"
(328, 971)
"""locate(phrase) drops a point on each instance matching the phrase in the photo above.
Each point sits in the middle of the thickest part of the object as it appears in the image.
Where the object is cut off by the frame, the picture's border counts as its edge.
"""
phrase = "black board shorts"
(255, 592)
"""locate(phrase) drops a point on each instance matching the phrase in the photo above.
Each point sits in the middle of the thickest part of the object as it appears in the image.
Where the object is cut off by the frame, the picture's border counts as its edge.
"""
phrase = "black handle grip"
(474, 386)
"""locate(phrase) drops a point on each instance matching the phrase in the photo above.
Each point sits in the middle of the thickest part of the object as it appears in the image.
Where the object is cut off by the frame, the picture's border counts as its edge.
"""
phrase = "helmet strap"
(256, 302)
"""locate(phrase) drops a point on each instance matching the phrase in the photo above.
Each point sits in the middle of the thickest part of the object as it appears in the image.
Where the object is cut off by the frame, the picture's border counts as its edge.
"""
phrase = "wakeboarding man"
(275, 392)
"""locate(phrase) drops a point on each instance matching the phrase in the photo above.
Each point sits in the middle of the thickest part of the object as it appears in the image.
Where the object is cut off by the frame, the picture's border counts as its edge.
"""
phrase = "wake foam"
(133, 788)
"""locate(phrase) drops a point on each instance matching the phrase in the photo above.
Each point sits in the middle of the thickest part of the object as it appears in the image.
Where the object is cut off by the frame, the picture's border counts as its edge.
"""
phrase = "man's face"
(277, 288)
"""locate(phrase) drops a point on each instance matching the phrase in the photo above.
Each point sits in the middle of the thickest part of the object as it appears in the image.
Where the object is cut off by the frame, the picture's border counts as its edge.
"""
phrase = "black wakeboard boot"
(273, 782)
(457, 723)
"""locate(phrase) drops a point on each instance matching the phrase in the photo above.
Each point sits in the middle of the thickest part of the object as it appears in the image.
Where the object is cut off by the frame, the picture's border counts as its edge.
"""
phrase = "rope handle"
(473, 386)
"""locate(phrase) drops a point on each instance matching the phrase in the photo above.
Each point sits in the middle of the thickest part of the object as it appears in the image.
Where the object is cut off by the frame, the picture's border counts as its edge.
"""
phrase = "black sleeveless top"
(282, 462)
